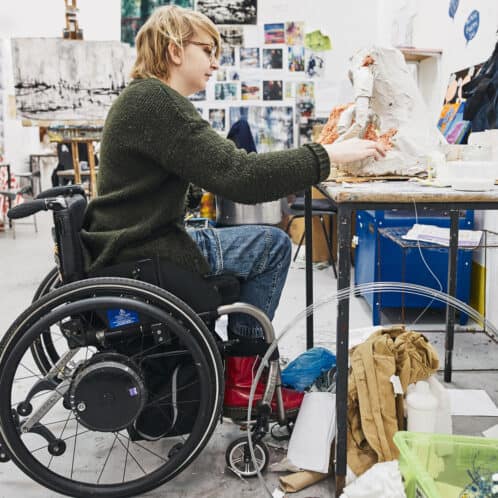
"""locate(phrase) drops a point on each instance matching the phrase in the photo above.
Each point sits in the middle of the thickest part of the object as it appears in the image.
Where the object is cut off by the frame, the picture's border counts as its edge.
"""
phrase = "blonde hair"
(168, 24)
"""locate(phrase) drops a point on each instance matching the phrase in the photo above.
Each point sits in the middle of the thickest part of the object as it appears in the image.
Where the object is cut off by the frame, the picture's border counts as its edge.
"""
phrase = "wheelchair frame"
(65, 294)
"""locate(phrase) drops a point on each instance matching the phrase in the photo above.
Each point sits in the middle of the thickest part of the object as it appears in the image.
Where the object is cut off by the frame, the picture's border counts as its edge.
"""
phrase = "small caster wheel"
(175, 449)
(238, 457)
(24, 408)
(4, 457)
(57, 447)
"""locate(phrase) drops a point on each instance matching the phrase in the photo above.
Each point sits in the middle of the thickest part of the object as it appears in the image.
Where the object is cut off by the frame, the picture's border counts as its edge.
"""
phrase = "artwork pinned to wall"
(315, 64)
(82, 85)
(272, 127)
(134, 13)
(200, 110)
(233, 75)
(295, 59)
(273, 90)
(272, 58)
(231, 35)
(229, 11)
(225, 91)
(305, 100)
(221, 75)
(217, 119)
(198, 96)
(227, 56)
(251, 90)
(274, 33)
(289, 90)
(249, 57)
(294, 33)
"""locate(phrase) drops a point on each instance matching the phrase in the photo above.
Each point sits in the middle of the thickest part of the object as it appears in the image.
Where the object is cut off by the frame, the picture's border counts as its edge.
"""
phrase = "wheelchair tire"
(85, 299)
(43, 349)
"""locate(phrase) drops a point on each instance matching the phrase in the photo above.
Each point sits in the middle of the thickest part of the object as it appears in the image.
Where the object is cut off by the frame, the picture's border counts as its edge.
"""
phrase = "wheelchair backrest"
(67, 226)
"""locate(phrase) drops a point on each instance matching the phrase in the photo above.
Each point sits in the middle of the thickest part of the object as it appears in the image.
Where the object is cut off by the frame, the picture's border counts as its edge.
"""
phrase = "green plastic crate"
(438, 465)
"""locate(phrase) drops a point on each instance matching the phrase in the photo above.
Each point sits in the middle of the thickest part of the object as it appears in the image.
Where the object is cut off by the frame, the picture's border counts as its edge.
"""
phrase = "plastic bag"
(301, 372)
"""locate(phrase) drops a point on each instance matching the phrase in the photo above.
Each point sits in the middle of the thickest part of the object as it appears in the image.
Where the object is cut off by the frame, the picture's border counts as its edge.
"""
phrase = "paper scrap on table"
(441, 236)
(492, 432)
(472, 402)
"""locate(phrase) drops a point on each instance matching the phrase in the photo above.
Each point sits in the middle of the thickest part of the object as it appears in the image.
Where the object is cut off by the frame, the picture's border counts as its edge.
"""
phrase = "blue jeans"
(259, 255)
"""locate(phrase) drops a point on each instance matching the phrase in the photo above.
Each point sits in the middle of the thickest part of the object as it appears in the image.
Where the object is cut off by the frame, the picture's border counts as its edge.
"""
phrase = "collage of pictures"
(267, 80)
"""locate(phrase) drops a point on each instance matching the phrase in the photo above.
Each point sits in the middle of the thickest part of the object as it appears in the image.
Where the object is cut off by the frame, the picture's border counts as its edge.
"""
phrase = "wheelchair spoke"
(146, 449)
(61, 434)
(126, 457)
(128, 452)
(74, 448)
(108, 455)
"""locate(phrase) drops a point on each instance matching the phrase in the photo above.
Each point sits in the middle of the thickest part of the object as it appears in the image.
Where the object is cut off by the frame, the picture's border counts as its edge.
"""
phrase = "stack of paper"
(441, 236)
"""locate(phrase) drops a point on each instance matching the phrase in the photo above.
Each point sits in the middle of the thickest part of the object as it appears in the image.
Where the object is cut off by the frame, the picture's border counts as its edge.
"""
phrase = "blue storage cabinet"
(379, 259)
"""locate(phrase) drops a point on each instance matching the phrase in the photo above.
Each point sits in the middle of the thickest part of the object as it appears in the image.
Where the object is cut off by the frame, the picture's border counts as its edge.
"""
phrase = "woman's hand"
(354, 149)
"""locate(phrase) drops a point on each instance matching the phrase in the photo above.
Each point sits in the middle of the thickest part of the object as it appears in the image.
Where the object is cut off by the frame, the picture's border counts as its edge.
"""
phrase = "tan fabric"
(300, 480)
(374, 413)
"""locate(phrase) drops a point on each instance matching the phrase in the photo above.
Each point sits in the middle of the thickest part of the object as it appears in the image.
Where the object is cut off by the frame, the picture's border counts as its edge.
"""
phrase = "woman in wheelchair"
(112, 381)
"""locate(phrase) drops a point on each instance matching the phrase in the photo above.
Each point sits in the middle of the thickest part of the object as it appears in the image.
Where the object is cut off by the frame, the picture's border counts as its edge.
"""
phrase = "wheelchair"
(111, 385)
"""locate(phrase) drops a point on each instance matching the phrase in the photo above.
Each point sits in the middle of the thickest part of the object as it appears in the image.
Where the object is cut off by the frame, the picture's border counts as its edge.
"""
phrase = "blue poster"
(453, 8)
(471, 26)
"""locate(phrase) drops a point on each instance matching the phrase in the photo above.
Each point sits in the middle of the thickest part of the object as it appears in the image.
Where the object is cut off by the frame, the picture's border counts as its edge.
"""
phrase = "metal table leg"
(344, 214)
(450, 310)
(308, 231)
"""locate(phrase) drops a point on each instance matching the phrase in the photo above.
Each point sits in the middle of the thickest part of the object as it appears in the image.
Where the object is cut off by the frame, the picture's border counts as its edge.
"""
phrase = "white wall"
(100, 20)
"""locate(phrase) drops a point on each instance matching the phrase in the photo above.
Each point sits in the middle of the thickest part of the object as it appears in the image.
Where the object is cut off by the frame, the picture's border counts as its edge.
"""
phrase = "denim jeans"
(259, 256)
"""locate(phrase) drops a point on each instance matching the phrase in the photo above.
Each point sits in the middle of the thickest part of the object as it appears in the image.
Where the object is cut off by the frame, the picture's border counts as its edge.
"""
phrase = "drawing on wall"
(315, 64)
(87, 78)
(134, 13)
(229, 11)
(272, 58)
(294, 33)
(274, 33)
(295, 59)
(227, 56)
(289, 90)
(221, 75)
(251, 90)
(217, 119)
(272, 127)
(200, 110)
(233, 75)
(272, 90)
(231, 35)
(225, 91)
(196, 97)
(249, 57)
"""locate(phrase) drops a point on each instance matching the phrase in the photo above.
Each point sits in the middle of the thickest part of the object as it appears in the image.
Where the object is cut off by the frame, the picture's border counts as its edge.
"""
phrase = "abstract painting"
(217, 119)
(272, 58)
(251, 90)
(229, 11)
(134, 13)
(60, 80)
(274, 33)
(272, 127)
(249, 57)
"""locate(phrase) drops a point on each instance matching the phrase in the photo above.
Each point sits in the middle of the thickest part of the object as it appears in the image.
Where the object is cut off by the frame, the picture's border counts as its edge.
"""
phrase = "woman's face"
(199, 62)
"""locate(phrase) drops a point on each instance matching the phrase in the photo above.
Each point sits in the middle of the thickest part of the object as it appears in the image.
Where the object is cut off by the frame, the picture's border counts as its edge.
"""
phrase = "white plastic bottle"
(422, 408)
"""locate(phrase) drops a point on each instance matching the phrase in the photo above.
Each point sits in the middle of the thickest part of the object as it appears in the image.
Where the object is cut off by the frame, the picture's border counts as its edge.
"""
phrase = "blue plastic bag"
(301, 372)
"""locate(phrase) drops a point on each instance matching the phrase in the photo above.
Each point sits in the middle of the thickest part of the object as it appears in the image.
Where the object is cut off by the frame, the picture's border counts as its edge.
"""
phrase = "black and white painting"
(229, 11)
(60, 80)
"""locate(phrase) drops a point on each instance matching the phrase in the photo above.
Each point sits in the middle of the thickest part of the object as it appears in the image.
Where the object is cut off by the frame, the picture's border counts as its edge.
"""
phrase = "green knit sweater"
(154, 144)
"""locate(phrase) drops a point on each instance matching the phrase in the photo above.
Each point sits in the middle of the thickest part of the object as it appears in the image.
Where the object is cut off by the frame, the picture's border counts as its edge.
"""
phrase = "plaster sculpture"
(389, 107)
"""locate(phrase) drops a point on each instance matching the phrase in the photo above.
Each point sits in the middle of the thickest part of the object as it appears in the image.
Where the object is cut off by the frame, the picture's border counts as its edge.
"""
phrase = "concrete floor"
(25, 260)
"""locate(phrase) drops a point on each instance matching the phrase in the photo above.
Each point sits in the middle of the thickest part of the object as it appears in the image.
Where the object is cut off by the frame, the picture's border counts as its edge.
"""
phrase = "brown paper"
(300, 480)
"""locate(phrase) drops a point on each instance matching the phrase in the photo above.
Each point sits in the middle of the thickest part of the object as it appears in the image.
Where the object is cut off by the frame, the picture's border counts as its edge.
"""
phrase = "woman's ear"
(175, 53)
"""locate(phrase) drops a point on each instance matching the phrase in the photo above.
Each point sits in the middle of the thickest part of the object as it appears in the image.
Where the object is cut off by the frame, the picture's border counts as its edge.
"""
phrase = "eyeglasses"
(211, 49)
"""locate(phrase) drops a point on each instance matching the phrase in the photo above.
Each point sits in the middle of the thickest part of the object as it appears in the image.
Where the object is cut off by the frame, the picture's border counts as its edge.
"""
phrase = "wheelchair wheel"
(238, 457)
(112, 418)
(43, 350)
